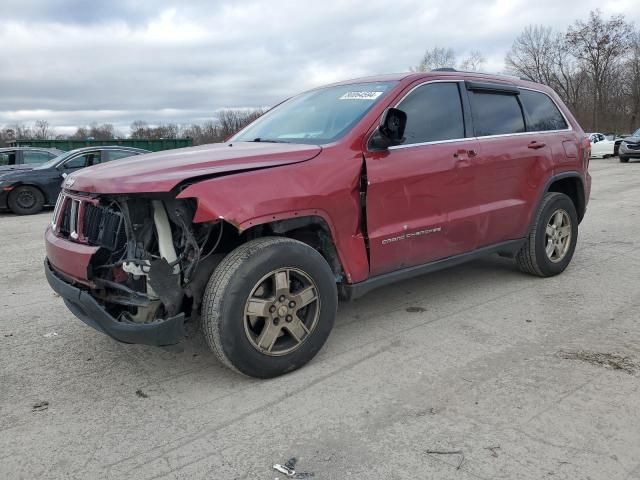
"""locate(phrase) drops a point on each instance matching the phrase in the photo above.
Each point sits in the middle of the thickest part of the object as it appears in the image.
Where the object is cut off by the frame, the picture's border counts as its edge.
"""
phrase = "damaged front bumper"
(166, 332)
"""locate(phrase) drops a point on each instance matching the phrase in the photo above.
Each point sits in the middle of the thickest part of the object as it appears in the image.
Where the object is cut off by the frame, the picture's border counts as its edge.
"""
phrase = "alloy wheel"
(558, 236)
(281, 311)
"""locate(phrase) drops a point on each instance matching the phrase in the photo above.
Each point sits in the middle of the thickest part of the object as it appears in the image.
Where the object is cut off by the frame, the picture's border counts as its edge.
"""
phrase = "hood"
(162, 171)
(4, 169)
(631, 139)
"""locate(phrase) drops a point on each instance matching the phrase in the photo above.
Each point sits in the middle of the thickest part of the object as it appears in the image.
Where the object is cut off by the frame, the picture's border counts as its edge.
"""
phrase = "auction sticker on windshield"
(361, 95)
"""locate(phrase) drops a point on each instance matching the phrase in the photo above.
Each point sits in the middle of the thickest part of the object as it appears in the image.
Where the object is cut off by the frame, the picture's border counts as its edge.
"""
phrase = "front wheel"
(269, 306)
(25, 200)
(552, 240)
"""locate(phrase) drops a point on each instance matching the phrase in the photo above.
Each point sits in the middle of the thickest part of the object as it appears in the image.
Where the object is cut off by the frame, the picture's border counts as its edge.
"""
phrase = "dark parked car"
(25, 158)
(26, 191)
(630, 147)
(335, 191)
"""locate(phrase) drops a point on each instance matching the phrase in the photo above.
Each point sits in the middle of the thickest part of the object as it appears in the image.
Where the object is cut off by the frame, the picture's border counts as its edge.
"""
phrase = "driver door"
(82, 160)
(420, 195)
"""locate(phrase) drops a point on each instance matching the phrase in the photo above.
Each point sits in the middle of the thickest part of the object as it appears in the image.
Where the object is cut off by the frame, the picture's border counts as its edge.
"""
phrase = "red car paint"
(443, 199)
(69, 258)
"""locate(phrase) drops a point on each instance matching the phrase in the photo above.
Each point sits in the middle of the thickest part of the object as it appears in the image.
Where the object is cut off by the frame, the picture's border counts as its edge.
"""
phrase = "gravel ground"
(526, 378)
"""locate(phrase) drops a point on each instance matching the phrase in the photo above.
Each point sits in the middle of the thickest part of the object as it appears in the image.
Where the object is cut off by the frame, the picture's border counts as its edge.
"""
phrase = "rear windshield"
(316, 117)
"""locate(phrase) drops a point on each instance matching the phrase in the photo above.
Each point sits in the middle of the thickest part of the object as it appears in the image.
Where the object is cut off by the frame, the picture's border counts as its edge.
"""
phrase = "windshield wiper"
(268, 140)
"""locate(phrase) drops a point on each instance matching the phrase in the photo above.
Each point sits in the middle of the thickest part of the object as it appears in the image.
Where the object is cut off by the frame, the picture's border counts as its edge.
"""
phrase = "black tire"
(532, 257)
(231, 284)
(26, 200)
(624, 159)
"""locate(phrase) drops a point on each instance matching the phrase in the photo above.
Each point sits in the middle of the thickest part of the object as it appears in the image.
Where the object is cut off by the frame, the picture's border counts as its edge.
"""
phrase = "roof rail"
(451, 69)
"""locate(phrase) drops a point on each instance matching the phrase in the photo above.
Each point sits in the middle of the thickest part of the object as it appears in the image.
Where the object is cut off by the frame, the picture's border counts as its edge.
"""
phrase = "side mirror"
(390, 132)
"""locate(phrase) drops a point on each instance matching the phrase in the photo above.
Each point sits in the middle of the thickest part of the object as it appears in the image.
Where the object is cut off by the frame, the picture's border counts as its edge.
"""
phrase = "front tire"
(550, 244)
(623, 159)
(25, 200)
(269, 306)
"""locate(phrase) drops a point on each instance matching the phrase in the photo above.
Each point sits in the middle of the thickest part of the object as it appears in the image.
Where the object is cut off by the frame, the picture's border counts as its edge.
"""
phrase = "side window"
(543, 114)
(118, 154)
(34, 156)
(76, 162)
(86, 160)
(434, 112)
(7, 158)
(496, 113)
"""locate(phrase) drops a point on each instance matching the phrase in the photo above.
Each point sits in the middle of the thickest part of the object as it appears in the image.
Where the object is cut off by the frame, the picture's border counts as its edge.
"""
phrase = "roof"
(47, 149)
(109, 147)
(440, 73)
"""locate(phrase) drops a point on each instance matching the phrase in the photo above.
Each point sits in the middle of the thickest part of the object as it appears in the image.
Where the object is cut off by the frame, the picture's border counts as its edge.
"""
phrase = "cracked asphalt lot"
(478, 359)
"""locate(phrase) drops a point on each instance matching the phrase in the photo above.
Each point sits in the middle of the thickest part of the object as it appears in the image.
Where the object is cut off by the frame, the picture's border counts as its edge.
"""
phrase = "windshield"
(54, 161)
(316, 117)
(636, 133)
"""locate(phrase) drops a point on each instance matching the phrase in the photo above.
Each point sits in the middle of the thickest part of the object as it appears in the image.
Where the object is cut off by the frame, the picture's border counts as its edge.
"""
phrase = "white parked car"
(601, 146)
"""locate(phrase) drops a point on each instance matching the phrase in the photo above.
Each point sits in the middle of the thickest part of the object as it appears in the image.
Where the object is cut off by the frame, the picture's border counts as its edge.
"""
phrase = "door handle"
(464, 153)
(535, 145)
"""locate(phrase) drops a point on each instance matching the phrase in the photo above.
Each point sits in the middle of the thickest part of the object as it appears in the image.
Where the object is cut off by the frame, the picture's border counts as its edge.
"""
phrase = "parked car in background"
(617, 140)
(601, 146)
(630, 147)
(336, 191)
(25, 158)
(26, 192)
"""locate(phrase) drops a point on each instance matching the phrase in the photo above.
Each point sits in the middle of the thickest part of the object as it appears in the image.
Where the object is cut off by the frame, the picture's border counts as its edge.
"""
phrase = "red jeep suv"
(330, 194)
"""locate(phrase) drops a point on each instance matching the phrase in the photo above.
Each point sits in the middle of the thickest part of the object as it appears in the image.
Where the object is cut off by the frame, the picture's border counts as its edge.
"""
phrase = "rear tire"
(246, 321)
(550, 244)
(26, 200)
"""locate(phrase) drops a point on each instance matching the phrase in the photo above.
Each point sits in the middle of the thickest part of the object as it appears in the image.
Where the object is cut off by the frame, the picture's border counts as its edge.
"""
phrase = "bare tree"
(139, 129)
(473, 62)
(533, 54)
(436, 57)
(233, 120)
(599, 45)
(41, 130)
(631, 88)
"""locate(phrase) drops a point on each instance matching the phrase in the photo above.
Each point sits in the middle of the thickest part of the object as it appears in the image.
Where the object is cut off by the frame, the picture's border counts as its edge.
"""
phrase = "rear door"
(420, 194)
(512, 163)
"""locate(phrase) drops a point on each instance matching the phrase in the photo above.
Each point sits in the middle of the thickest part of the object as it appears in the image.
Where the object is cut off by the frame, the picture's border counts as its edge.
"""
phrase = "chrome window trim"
(453, 140)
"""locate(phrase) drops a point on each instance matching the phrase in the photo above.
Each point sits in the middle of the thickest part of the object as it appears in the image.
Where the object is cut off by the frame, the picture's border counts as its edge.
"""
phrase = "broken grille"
(85, 221)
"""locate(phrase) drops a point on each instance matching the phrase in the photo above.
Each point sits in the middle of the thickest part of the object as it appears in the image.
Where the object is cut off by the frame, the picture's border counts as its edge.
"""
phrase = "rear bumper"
(87, 309)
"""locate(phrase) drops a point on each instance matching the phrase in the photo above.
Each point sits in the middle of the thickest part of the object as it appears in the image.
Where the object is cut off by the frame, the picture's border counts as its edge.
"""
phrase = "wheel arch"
(572, 185)
(34, 185)
(311, 228)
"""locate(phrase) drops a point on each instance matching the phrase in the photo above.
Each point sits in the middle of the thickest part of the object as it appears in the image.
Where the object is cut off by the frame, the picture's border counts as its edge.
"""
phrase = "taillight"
(586, 153)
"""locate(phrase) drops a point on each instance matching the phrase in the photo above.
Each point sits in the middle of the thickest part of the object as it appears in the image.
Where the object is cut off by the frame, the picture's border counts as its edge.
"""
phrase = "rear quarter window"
(496, 114)
(542, 113)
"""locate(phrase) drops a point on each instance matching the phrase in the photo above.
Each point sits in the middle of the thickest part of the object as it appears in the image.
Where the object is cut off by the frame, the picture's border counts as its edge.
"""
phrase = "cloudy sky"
(72, 62)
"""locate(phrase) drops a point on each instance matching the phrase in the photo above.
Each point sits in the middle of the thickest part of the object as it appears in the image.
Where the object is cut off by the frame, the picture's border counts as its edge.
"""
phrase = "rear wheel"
(269, 306)
(26, 200)
(552, 240)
